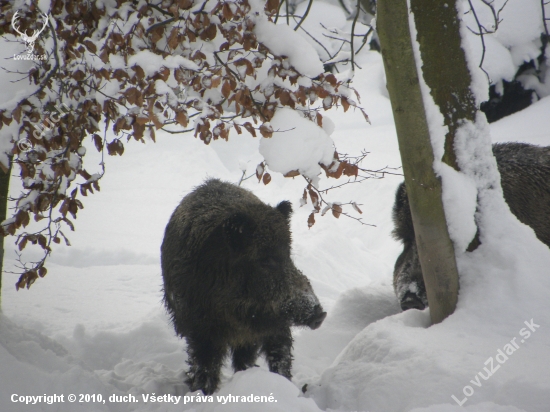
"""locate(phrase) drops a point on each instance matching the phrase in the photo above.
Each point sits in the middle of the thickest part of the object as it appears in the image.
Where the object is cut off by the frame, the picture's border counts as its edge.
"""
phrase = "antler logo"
(29, 40)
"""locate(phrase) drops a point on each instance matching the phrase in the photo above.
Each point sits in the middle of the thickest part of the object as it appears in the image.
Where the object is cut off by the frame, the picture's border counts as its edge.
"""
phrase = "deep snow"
(102, 302)
(95, 324)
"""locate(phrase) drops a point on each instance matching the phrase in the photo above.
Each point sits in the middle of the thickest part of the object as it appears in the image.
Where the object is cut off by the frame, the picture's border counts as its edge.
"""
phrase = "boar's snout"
(317, 318)
(411, 301)
(303, 307)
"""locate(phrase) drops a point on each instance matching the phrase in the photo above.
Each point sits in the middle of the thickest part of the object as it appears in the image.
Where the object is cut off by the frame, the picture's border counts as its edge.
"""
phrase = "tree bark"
(435, 248)
(4, 191)
(444, 68)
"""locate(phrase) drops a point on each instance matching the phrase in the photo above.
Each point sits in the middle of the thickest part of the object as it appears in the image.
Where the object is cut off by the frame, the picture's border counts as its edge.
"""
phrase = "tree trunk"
(435, 248)
(4, 190)
(445, 69)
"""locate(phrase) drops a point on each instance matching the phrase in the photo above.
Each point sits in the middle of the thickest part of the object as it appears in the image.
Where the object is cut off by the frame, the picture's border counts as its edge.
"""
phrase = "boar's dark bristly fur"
(230, 283)
(525, 180)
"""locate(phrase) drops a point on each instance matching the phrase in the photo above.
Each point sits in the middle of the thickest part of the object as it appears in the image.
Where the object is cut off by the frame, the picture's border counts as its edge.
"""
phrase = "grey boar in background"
(230, 284)
(525, 179)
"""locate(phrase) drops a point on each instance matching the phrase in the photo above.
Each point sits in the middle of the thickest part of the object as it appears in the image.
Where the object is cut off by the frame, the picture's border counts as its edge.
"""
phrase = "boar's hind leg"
(277, 350)
(244, 357)
(205, 361)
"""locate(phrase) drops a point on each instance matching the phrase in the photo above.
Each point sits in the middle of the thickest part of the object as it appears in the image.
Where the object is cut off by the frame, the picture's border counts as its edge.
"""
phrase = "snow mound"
(38, 365)
(297, 144)
(479, 354)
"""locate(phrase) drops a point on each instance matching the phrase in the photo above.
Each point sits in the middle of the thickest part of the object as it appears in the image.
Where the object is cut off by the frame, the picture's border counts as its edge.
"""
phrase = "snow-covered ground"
(95, 325)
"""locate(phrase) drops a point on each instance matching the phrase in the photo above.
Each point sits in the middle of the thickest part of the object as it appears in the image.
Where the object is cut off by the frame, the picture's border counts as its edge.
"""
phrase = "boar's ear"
(285, 207)
(238, 230)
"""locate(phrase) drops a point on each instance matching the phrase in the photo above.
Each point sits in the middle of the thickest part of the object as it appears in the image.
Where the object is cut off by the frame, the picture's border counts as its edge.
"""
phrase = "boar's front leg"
(277, 350)
(205, 358)
(244, 357)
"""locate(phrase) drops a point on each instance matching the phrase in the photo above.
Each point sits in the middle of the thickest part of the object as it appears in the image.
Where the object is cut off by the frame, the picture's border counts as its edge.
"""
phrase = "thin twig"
(162, 23)
(365, 39)
(278, 11)
(482, 39)
(242, 179)
(55, 68)
(156, 7)
(318, 42)
(344, 7)
(352, 32)
(287, 13)
(176, 131)
(305, 15)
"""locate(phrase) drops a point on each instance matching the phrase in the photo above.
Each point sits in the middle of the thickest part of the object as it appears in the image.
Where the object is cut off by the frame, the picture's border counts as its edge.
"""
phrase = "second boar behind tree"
(230, 284)
(525, 179)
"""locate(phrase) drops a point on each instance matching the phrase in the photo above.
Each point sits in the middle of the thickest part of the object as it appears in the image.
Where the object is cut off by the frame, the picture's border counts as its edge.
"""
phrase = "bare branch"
(352, 33)
(304, 16)
(481, 34)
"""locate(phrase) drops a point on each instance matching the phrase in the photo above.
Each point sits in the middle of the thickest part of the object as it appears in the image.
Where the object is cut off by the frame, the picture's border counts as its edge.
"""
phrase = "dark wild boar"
(230, 284)
(525, 179)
